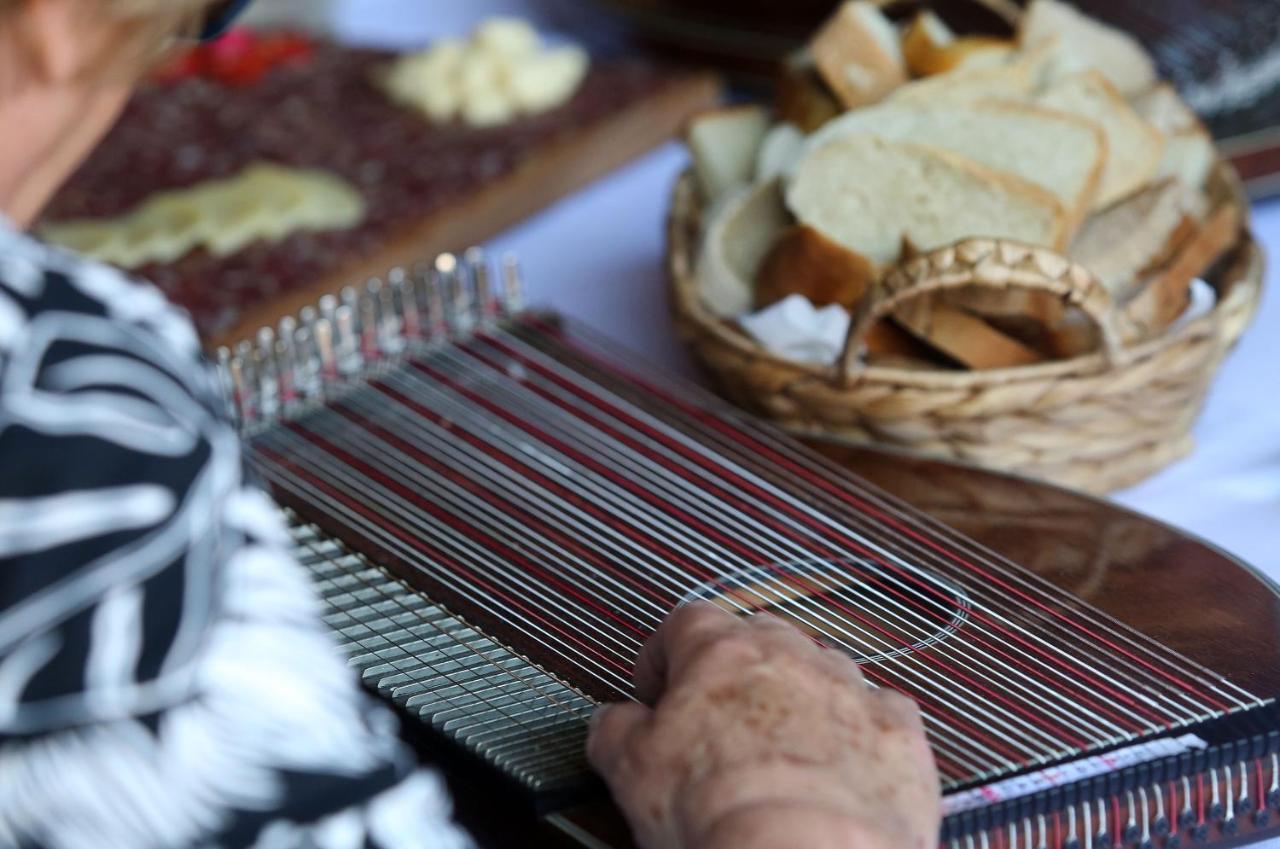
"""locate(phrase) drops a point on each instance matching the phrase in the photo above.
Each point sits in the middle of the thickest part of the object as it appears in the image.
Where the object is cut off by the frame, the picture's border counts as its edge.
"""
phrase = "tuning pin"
(346, 343)
(390, 323)
(434, 323)
(286, 373)
(370, 321)
(326, 355)
(226, 387)
(456, 291)
(244, 379)
(328, 308)
(406, 295)
(267, 368)
(306, 364)
(486, 304)
(512, 286)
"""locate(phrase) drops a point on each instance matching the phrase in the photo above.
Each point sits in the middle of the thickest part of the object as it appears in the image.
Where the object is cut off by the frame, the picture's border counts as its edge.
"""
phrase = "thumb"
(612, 728)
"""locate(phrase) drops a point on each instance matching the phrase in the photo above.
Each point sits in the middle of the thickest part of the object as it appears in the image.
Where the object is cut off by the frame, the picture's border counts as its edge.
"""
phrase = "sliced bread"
(1164, 296)
(725, 144)
(868, 193)
(1012, 82)
(1084, 43)
(739, 230)
(1189, 152)
(964, 337)
(930, 47)
(858, 54)
(1134, 147)
(1163, 108)
(802, 261)
(1119, 244)
(801, 96)
(1062, 153)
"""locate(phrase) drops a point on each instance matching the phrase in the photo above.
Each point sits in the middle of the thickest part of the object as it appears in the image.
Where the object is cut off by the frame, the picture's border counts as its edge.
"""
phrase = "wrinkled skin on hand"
(749, 736)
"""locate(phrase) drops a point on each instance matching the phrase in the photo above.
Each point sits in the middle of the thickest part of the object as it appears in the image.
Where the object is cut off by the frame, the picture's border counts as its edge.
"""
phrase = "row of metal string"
(616, 679)
(954, 545)
(855, 517)
(624, 644)
(514, 717)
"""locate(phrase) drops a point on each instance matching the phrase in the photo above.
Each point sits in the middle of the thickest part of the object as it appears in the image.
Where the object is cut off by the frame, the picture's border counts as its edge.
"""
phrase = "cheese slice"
(265, 201)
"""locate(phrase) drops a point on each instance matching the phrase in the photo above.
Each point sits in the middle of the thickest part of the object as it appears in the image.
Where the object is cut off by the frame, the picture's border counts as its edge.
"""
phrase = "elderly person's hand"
(754, 737)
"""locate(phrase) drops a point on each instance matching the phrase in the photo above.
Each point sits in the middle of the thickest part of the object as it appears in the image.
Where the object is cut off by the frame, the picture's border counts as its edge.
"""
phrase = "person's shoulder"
(42, 285)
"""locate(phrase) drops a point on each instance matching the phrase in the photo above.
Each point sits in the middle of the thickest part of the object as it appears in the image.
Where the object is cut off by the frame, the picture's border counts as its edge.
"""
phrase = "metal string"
(846, 481)
(509, 509)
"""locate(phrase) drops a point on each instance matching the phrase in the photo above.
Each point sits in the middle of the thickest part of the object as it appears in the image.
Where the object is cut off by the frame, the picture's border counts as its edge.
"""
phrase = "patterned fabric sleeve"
(165, 680)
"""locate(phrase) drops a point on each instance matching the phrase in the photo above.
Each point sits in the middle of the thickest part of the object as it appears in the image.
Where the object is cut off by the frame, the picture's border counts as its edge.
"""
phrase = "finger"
(838, 664)
(612, 727)
(679, 635)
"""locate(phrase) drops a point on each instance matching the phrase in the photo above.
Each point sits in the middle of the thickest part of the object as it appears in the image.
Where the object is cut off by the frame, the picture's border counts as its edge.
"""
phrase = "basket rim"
(1241, 281)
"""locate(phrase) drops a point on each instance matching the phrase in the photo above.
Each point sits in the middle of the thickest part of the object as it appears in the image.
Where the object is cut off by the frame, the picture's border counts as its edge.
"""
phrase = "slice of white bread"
(1163, 108)
(801, 97)
(1084, 43)
(930, 47)
(781, 148)
(1134, 147)
(869, 194)
(802, 261)
(1123, 242)
(739, 231)
(1189, 153)
(964, 337)
(1189, 157)
(858, 54)
(1012, 82)
(1165, 294)
(1062, 153)
(725, 144)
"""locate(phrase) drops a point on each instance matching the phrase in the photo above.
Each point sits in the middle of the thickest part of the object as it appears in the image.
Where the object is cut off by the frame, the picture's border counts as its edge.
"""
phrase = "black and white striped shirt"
(165, 680)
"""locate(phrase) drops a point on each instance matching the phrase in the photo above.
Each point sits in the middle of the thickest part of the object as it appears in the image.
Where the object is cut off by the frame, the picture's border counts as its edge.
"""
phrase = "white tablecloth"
(597, 256)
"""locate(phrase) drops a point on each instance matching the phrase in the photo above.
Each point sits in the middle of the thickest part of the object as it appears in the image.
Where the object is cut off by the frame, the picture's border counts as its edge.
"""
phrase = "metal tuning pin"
(287, 362)
(326, 355)
(226, 386)
(244, 379)
(328, 308)
(390, 322)
(371, 321)
(306, 364)
(435, 326)
(456, 289)
(406, 297)
(268, 375)
(512, 286)
(346, 342)
(486, 301)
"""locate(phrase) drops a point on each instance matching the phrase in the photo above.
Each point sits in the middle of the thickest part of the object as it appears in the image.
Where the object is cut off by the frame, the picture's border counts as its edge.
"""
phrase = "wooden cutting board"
(428, 188)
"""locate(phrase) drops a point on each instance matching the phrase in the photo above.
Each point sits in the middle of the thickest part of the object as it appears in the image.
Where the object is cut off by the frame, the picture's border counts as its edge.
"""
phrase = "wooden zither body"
(498, 509)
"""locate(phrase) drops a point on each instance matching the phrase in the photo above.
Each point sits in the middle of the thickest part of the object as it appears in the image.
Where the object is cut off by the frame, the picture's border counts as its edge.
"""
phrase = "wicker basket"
(1096, 422)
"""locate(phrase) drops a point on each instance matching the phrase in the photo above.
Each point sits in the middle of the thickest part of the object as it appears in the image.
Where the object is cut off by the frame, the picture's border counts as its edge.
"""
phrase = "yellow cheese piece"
(265, 201)
(501, 72)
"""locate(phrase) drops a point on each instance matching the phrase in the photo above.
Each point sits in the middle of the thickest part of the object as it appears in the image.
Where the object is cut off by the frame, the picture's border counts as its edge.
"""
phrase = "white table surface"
(597, 256)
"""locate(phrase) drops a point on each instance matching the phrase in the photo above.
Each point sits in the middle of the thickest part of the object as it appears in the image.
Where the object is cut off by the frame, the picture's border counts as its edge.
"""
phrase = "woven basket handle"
(983, 262)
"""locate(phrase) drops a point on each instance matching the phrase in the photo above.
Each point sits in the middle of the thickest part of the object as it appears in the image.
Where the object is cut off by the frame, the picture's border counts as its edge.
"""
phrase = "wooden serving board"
(428, 187)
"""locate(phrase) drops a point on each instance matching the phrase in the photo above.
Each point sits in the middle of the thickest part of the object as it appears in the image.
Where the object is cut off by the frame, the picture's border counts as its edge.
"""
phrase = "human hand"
(750, 736)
